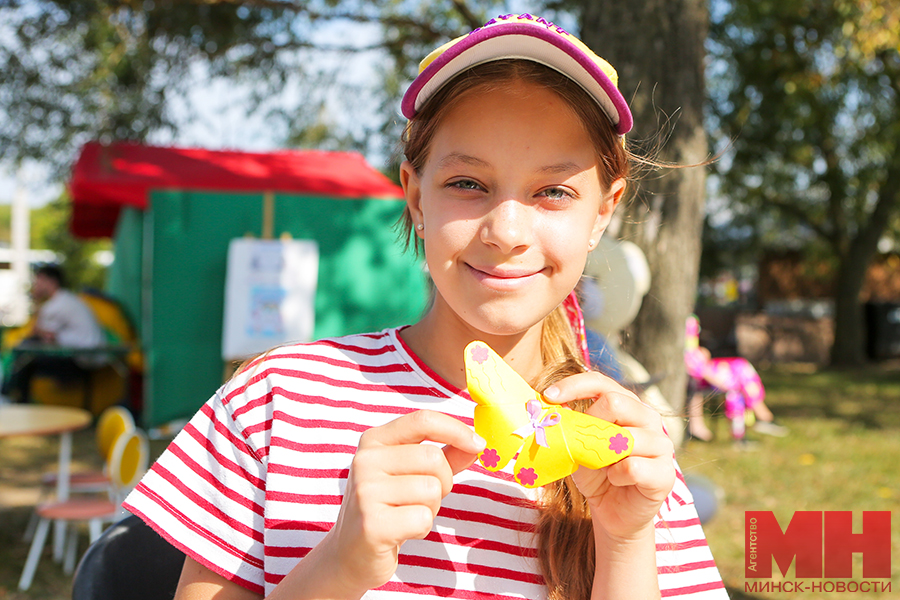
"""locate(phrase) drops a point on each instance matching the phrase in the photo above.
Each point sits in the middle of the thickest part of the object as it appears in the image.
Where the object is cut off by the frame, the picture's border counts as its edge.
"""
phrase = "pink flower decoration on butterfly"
(527, 476)
(479, 354)
(490, 458)
(618, 443)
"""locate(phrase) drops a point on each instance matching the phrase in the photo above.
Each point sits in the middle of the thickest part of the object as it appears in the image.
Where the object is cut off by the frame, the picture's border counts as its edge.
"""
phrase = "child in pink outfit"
(733, 376)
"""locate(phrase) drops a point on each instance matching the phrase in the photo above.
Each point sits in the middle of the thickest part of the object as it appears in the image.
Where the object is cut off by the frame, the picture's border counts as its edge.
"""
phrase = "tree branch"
(467, 15)
(792, 209)
(299, 6)
(886, 206)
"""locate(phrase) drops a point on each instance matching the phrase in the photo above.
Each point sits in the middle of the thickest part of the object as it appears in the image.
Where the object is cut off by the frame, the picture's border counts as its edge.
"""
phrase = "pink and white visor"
(521, 37)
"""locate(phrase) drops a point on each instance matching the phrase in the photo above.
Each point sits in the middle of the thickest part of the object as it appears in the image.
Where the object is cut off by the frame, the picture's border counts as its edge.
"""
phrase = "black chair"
(129, 561)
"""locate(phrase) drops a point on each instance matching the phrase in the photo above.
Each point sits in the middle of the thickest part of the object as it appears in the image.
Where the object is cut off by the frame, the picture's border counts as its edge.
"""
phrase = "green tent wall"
(170, 269)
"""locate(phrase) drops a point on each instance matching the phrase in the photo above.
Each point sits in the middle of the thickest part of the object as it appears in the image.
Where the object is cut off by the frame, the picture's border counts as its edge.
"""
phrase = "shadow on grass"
(50, 582)
(23, 460)
(867, 397)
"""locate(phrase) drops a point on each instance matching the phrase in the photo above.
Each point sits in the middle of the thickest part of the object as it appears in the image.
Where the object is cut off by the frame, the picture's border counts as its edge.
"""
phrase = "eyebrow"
(566, 167)
(458, 157)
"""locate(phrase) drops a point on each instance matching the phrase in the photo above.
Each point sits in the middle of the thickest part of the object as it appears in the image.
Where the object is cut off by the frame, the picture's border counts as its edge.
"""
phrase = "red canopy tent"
(174, 213)
(107, 177)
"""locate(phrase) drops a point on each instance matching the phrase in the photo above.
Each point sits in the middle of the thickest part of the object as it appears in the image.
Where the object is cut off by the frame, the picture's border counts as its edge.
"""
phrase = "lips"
(503, 277)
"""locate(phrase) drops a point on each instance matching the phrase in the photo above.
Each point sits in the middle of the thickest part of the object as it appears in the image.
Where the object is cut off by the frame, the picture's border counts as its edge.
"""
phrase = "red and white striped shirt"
(255, 481)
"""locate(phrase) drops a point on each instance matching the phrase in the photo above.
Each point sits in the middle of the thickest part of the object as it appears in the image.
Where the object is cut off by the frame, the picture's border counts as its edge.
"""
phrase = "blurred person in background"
(62, 320)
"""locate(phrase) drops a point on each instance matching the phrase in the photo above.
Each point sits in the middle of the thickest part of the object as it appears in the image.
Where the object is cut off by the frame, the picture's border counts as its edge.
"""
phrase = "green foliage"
(77, 70)
(86, 69)
(5, 223)
(50, 230)
(813, 121)
(810, 102)
(49, 226)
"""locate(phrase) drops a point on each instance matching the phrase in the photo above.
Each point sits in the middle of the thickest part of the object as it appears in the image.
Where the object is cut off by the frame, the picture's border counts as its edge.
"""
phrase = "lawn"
(841, 455)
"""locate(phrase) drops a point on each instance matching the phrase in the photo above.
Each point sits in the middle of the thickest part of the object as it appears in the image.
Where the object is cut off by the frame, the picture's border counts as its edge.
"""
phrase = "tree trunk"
(849, 325)
(657, 46)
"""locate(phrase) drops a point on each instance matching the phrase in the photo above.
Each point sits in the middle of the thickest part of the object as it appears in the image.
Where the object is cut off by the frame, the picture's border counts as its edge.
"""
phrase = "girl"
(345, 468)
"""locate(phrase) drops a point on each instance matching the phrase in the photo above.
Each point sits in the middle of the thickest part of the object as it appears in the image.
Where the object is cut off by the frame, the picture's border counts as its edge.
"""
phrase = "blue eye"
(465, 184)
(557, 193)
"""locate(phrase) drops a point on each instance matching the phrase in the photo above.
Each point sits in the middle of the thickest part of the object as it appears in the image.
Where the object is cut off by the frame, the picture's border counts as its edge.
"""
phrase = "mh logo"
(822, 543)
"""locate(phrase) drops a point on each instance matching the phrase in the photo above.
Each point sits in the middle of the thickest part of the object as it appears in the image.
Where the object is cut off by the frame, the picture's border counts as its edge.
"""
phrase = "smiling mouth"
(511, 276)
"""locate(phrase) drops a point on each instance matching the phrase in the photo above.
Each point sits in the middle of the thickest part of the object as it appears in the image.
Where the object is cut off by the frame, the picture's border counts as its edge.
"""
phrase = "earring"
(420, 227)
(591, 244)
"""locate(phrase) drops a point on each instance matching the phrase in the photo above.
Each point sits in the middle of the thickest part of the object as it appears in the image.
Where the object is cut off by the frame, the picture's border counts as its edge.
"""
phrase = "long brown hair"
(564, 530)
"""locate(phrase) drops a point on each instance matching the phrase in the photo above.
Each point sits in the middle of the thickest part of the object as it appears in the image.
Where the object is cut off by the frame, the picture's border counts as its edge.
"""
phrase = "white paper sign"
(270, 292)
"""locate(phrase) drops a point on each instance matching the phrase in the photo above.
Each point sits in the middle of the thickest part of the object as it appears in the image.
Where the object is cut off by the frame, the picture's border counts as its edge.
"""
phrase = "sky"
(34, 178)
(213, 116)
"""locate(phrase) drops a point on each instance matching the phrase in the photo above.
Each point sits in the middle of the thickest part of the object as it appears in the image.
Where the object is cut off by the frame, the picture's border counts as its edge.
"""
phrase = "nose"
(508, 226)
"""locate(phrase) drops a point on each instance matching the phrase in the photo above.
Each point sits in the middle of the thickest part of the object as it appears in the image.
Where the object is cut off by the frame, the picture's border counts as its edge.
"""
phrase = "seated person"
(62, 319)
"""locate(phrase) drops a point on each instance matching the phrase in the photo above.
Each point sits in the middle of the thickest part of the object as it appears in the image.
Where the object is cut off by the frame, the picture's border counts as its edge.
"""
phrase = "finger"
(408, 459)
(651, 444)
(584, 385)
(459, 460)
(613, 402)
(422, 425)
(626, 410)
(401, 523)
(398, 461)
(653, 476)
(405, 490)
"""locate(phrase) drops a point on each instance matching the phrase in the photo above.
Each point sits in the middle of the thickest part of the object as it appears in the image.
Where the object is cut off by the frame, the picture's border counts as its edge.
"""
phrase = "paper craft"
(551, 440)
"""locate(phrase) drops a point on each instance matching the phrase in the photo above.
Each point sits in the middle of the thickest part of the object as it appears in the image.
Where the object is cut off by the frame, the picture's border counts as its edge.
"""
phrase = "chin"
(503, 325)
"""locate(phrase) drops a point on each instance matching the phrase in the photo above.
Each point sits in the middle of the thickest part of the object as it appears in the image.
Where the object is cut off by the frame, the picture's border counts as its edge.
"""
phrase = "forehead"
(513, 117)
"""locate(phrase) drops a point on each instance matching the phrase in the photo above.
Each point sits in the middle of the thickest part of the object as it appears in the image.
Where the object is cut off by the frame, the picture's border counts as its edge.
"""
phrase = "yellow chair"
(113, 422)
(128, 461)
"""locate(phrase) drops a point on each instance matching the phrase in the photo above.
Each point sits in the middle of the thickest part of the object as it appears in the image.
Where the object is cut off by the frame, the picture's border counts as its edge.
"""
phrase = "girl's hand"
(394, 492)
(623, 497)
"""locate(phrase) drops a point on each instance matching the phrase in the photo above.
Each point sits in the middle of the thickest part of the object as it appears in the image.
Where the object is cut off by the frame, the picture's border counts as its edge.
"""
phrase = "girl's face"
(511, 202)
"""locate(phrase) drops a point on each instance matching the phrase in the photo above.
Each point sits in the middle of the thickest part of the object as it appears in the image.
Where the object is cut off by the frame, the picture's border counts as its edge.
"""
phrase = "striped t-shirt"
(255, 481)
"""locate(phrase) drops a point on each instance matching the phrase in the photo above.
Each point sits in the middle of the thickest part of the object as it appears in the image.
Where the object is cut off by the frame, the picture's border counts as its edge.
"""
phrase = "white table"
(39, 419)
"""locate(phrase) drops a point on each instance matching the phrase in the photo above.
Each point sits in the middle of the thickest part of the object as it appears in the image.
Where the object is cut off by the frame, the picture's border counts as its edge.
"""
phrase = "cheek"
(446, 238)
(567, 238)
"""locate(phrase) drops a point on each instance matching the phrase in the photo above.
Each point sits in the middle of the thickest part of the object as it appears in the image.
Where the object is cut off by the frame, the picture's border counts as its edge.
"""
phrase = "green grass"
(842, 454)
(22, 460)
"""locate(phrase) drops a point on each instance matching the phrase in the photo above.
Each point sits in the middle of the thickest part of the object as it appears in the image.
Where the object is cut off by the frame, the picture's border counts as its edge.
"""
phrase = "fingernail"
(551, 392)
(480, 442)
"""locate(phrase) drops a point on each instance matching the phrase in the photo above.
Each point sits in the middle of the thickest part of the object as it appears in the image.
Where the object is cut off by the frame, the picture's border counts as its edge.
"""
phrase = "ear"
(412, 191)
(608, 204)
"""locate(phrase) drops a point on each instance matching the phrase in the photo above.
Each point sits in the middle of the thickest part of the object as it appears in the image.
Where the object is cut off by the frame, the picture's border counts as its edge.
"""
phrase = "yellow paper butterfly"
(552, 440)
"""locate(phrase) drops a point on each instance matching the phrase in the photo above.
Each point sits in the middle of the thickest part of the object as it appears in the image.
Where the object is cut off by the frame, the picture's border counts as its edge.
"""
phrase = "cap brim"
(520, 41)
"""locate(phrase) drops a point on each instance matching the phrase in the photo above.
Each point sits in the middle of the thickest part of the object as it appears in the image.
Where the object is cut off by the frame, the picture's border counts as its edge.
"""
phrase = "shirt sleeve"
(206, 493)
(683, 559)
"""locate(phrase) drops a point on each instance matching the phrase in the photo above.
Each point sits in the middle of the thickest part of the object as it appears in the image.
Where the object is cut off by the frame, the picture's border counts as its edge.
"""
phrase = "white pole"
(21, 246)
